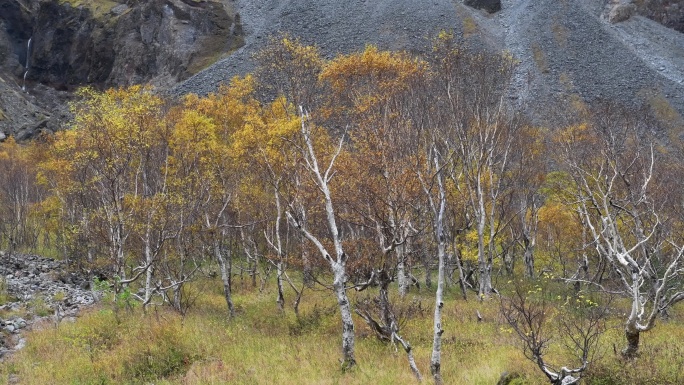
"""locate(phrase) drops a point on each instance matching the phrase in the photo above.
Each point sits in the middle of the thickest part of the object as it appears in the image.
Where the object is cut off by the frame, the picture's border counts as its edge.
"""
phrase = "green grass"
(265, 346)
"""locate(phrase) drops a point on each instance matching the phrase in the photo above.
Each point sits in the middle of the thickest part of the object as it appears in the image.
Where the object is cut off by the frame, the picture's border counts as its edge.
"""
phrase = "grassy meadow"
(121, 344)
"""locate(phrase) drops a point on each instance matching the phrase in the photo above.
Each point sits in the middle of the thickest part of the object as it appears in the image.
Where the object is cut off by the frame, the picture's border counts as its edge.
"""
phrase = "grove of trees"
(363, 170)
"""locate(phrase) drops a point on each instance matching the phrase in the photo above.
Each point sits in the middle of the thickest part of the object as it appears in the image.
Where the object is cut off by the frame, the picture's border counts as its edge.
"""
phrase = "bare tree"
(387, 328)
(531, 315)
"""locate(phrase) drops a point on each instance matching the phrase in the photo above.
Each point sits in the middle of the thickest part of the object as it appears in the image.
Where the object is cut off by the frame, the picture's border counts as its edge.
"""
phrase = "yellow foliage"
(373, 74)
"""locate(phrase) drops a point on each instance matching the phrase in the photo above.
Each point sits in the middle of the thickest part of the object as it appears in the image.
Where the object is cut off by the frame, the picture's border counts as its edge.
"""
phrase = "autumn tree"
(613, 163)
(368, 89)
(18, 194)
(101, 163)
(220, 167)
(479, 132)
(529, 169)
(288, 68)
(266, 143)
(288, 74)
(319, 154)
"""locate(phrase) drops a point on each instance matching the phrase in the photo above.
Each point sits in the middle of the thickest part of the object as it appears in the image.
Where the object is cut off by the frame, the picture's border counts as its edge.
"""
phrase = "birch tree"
(103, 160)
(222, 168)
(529, 173)
(481, 130)
(18, 193)
(265, 142)
(617, 184)
(337, 261)
(368, 90)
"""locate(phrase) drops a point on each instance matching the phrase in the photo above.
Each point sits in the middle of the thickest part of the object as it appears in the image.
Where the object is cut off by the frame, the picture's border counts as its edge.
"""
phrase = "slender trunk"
(279, 281)
(632, 328)
(253, 270)
(279, 250)
(149, 273)
(120, 261)
(481, 262)
(308, 278)
(401, 270)
(390, 321)
(435, 362)
(436, 359)
(225, 266)
(529, 257)
(383, 299)
(461, 277)
(480, 214)
(529, 232)
(346, 314)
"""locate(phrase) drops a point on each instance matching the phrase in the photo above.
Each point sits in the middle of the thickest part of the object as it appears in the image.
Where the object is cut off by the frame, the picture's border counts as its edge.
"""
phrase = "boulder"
(621, 11)
(490, 6)
(20, 323)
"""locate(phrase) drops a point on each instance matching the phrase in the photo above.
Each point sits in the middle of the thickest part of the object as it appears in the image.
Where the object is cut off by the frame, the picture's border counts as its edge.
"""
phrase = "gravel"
(565, 48)
(30, 280)
(334, 26)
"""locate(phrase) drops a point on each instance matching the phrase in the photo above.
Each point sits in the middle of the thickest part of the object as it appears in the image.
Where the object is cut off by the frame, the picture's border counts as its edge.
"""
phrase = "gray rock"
(10, 328)
(20, 323)
(20, 344)
(120, 9)
(490, 6)
(621, 11)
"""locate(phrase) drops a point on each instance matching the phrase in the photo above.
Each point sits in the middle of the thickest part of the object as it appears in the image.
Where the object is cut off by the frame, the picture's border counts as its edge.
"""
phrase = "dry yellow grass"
(265, 346)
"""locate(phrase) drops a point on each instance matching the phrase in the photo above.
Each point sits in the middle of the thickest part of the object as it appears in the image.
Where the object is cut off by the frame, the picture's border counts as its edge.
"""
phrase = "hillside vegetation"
(394, 206)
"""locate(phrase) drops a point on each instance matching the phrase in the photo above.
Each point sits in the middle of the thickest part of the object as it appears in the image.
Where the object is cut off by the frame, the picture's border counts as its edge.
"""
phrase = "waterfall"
(28, 55)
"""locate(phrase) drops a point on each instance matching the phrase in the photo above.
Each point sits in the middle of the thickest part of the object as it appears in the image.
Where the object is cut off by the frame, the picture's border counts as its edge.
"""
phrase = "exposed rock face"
(160, 40)
(618, 11)
(490, 6)
(104, 44)
(667, 12)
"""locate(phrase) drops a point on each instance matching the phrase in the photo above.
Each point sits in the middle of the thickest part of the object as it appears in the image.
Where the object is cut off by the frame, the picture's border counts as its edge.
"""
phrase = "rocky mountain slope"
(568, 49)
(51, 46)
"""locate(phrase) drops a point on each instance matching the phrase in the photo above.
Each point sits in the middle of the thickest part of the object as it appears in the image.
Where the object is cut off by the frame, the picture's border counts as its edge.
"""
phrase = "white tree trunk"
(436, 359)
(149, 274)
(340, 278)
(438, 211)
(402, 280)
(337, 264)
(225, 267)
